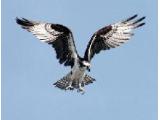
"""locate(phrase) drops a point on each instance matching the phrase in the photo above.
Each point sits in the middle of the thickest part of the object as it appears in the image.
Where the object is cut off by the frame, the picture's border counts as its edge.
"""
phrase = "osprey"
(61, 39)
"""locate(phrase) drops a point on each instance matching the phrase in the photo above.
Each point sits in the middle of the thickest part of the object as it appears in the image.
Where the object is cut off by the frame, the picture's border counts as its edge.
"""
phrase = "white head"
(86, 63)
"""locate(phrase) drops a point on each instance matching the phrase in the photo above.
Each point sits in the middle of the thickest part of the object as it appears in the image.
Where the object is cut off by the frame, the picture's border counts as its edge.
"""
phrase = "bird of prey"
(61, 39)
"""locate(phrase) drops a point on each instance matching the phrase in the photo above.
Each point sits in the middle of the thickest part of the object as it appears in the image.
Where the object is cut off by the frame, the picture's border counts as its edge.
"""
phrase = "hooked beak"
(88, 68)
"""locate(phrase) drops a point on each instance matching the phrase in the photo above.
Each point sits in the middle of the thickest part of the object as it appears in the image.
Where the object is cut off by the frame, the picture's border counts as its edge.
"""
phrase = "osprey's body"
(77, 78)
(78, 73)
(61, 39)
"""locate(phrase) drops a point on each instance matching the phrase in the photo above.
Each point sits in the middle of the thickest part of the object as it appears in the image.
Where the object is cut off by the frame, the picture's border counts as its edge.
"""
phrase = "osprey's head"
(86, 64)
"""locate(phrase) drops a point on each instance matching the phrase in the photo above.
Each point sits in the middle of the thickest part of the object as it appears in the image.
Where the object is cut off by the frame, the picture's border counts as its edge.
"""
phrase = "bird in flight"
(61, 39)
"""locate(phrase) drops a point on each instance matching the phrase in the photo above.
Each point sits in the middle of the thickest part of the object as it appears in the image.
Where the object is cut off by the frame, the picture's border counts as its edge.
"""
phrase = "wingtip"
(18, 20)
(135, 15)
(142, 18)
(23, 22)
(131, 18)
(139, 20)
(140, 25)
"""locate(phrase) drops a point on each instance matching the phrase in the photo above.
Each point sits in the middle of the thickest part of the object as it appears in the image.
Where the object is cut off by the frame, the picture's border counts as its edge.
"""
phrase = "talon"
(70, 87)
(81, 90)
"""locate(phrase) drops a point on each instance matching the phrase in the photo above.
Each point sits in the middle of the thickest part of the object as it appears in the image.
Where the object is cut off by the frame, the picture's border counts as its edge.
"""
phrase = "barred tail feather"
(63, 83)
(88, 79)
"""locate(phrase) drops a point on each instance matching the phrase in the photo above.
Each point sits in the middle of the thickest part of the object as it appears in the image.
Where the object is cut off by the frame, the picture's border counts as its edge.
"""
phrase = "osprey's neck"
(84, 64)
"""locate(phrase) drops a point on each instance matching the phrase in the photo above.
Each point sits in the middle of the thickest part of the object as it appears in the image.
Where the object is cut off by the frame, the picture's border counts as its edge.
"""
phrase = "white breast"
(77, 72)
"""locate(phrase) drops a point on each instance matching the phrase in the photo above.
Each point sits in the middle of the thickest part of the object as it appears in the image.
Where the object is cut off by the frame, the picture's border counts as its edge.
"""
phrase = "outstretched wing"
(112, 36)
(59, 36)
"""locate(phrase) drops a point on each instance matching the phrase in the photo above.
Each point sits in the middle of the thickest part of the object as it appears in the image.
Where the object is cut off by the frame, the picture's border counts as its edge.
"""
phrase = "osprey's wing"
(112, 36)
(59, 36)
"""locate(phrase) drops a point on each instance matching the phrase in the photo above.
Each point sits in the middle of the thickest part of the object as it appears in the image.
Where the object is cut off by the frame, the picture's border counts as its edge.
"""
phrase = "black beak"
(88, 68)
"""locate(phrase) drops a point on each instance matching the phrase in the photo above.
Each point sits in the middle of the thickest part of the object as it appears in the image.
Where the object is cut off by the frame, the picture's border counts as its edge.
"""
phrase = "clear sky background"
(126, 86)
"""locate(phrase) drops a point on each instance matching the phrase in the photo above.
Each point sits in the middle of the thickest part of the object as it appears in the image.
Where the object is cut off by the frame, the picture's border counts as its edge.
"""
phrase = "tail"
(88, 79)
(65, 82)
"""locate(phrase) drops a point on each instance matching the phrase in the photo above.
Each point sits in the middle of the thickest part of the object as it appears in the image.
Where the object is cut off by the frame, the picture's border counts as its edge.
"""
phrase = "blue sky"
(126, 77)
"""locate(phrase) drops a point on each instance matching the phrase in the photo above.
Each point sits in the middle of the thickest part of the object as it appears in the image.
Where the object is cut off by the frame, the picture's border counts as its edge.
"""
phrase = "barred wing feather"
(59, 36)
(112, 36)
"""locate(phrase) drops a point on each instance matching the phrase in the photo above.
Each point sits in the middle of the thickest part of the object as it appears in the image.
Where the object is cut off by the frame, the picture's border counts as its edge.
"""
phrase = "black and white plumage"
(61, 39)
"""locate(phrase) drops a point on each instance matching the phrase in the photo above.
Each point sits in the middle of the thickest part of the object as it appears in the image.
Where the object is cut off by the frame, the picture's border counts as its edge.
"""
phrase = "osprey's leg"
(81, 89)
(69, 87)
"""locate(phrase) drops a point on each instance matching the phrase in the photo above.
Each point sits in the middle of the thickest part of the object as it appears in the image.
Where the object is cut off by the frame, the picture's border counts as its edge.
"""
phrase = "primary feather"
(58, 36)
(112, 36)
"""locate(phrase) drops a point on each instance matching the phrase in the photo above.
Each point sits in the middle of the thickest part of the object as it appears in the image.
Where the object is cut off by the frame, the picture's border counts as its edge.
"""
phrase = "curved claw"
(70, 87)
(81, 90)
